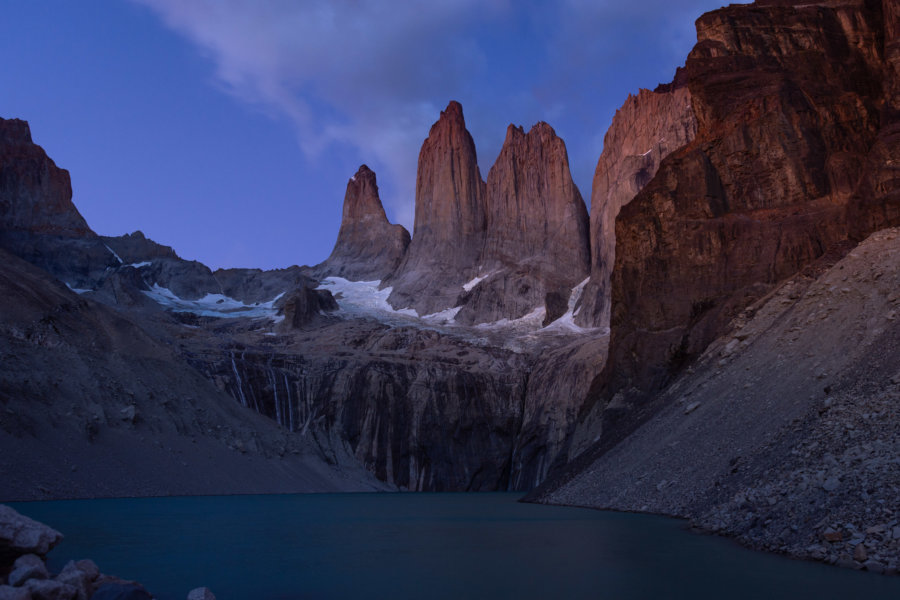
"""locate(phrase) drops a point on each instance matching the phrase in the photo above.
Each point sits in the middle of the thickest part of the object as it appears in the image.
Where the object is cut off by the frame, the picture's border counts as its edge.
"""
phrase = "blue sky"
(228, 129)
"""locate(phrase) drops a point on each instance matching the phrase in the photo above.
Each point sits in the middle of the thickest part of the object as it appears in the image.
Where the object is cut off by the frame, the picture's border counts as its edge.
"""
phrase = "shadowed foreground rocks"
(24, 544)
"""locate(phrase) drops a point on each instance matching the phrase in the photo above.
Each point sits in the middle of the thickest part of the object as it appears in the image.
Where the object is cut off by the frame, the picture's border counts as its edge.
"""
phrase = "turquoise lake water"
(422, 546)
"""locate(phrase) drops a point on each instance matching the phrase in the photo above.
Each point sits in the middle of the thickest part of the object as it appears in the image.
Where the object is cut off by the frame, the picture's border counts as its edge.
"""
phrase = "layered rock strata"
(789, 101)
(646, 129)
(368, 247)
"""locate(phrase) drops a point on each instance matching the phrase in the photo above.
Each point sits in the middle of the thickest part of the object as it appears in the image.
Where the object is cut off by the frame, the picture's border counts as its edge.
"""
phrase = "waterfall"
(290, 404)
(239, 382)
(278, 416)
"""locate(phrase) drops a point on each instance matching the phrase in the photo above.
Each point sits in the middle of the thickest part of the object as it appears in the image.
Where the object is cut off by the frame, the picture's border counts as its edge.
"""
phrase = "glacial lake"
(422, 546)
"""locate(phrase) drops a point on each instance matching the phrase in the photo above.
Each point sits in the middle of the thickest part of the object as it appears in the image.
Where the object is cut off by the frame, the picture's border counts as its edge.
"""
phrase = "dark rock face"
(536, 240)
(420, 409)
(35, 194)
(450, 220)
(791, 108)
(368, 247)
(303, 305)
(647, 128)
(37, 218)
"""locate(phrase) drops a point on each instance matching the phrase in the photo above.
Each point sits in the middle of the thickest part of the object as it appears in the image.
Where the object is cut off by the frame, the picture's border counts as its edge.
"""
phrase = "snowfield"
(214, 305)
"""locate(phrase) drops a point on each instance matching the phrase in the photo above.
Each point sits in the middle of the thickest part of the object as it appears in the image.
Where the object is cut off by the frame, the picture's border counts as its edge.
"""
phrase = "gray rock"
(860, 554)
(20, 535)
(78, 579)
(89, 567)
(47, 589)
(201, 593)
(121, 591)
(831, 484)
(7, 592)
(29, 566)
(874, 566)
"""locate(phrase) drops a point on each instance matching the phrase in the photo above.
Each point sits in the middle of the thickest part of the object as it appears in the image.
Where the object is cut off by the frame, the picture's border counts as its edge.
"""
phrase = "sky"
(228, 129)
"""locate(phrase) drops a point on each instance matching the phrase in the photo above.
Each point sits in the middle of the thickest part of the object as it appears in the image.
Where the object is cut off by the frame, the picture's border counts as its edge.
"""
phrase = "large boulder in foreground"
(20, 535)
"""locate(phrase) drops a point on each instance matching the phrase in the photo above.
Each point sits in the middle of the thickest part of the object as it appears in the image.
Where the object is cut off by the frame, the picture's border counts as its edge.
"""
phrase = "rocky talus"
(450, 219)
(646, 129)
(368, 247)
(791, 109)
(536, 245)
(785, 433)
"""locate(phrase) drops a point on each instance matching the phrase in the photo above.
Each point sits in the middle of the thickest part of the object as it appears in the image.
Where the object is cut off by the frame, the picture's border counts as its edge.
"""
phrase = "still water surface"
(422, 546)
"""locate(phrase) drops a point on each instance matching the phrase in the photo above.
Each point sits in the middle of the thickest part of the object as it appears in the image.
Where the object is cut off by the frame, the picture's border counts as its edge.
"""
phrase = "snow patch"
(362, 297)
(140, 265)
(444, 317)
(214, 305)
(113, 252)
(471, 285)
(567, 321)
(78, 291)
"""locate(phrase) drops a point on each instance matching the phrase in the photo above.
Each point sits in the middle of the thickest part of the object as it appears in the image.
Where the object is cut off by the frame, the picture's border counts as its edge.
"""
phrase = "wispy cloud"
(374, 75)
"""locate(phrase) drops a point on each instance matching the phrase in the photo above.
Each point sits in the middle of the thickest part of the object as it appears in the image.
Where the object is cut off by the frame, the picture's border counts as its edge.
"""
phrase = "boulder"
(201, 593)
(121, 591)
(20, 535)
(29, 566)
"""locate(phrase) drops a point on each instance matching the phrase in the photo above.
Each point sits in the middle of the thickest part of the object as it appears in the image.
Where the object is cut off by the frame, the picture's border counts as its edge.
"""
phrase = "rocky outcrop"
(35, 194)
(646, 129)
(20, 535)
(450, 220)
(303, 305)
(38, 220)
(368, 247)
(25, 576)
(789, 100)
(536, 238)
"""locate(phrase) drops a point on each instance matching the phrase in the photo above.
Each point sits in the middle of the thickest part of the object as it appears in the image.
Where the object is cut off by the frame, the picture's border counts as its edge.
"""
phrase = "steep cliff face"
(35, 194)
(789, 101)
(498, 250)
(450, 220)
(368, 247)
(536, 238)
(37, 218)
(648, 127)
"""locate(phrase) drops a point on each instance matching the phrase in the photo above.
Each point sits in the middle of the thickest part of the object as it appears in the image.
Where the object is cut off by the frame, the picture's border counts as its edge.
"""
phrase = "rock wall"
(789, 102)
(536, 239)
(450, 219)
(498, 250)
(38, 220)
(648, 127)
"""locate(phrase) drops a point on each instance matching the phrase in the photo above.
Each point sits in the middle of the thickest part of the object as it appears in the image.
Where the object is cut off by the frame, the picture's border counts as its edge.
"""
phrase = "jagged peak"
(15, 130)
